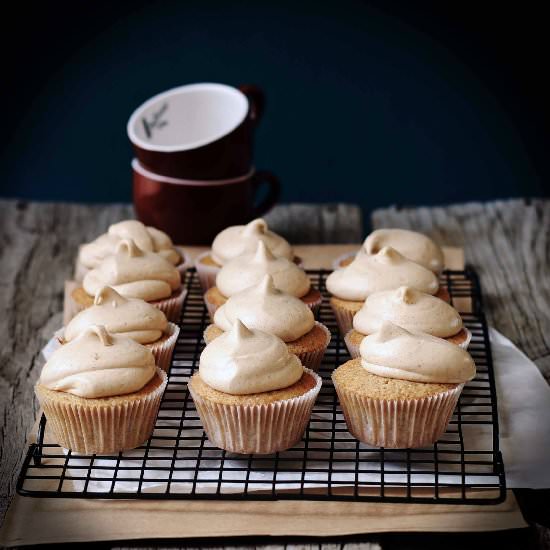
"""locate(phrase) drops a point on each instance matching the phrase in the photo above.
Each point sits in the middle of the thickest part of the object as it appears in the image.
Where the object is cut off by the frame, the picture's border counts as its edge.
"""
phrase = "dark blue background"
(367, 103)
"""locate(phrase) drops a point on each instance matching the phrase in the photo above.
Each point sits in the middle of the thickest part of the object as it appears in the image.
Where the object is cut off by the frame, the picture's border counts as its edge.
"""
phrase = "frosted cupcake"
(134, 273)
(150, 239)
(101, 393)
(402, 391)
(415, 246)
(370, 273)
(411, 310)
(130, 317)
(249, 269)
(237, 240)
(264, 307)
(252, 395)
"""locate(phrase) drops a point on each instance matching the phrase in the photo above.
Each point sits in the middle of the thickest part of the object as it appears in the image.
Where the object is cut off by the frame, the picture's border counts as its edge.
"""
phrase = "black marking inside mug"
(156, 121)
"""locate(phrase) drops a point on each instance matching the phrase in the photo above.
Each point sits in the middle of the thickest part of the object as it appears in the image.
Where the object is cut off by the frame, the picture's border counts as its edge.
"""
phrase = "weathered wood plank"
(508, 243)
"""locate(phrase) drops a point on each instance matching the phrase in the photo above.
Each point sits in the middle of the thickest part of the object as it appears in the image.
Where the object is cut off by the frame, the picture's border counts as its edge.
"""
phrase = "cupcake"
(134, 273)
(402, 391)
(249, 269)
(370, 273)
(411, 310)
(150, 239)
(415, 246)
(130, 317)
(264, 307)
(235, 241)
(251, 394)
(101, 393)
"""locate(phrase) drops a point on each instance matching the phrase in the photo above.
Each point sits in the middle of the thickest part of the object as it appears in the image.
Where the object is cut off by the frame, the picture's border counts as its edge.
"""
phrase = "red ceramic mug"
(193, 212)
(198, 131)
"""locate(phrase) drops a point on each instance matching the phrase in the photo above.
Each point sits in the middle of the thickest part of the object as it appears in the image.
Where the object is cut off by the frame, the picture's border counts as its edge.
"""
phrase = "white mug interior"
(187, 117)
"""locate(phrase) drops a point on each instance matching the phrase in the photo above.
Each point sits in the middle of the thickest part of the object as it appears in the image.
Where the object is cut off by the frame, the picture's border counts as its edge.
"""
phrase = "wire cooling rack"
(178, 462)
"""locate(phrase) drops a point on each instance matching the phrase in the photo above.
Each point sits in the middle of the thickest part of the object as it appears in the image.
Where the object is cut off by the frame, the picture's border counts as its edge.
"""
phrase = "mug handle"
(273, 194)
(256, 98)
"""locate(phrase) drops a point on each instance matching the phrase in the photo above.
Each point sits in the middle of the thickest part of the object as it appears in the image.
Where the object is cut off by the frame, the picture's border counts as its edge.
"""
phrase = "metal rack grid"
(178, 462)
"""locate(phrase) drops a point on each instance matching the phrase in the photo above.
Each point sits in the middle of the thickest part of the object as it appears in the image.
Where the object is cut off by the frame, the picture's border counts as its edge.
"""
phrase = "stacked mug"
(193, 171)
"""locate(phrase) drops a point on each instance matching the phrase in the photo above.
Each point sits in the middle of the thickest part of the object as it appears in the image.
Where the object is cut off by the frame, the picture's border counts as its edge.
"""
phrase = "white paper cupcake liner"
(312, 359)
(171, 307)
(352, 348)
(163, 350)
(398, 423)
(206, 272)
(102, 429)
(337, 263)
(257, 429)
(344, 319)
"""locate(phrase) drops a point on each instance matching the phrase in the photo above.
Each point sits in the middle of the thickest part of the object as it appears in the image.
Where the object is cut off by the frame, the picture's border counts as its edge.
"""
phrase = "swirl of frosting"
(243, 239)
(413, 245)
(249, 269)
(148, 239)
(411, 310)
(244, 361)
(134, 273)
(394, 352)
(98, 364)
(264, 307)
(130, 317)
(385, 270)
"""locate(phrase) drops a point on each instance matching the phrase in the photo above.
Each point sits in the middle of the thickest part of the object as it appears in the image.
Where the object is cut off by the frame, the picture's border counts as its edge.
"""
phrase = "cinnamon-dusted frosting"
(133, 318)
(243, 239)
(134, 273)
(394, 352)
(147, 238)
(264, 307)
(411, 310)
(413, 245)
(385, 270)
(249, 269)
(244, 361)
(98, 364)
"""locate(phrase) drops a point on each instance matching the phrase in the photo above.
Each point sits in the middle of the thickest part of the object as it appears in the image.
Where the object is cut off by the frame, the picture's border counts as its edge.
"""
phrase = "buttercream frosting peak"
(266, 308)
(255, 227)
(244, 361)
(394, 352)
(249, 269)
(413, 245)
(263, 254)
(99, 364)
(385, 270)
(106, 294)
(410, 309)
(129, 317)
(134, 273)
(243, 239)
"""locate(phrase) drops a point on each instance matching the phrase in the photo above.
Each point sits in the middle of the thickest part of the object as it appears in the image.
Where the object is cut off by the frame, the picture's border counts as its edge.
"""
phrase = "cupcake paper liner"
(207, 273)
(312, 359)
(354, 348)
(90, 428)
(257, 429)
(398, 423)
(314, 306)
(163, 350)
(344, 319)
(172, 306)
(184, 265)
